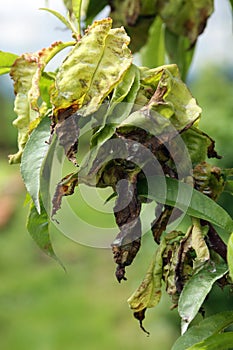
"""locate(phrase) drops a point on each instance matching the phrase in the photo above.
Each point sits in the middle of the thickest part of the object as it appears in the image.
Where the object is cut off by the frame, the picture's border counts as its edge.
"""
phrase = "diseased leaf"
(127, 214)
(148, 294)
(26, 72)
(136, 16)
(230, 255)
(6, 61)
(209, 180)
(38, 227)
(185, 19)
(120, 105)
(196, 290)
(170, 107)
(32, 160)
(222, 341)
(68, 132)
(92, 69)
(206, 328)
(199, 244)
(65, 187)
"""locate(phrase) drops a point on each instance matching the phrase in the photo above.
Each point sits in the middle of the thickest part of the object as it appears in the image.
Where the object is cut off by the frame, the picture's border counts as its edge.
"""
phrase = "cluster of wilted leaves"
(131, 111)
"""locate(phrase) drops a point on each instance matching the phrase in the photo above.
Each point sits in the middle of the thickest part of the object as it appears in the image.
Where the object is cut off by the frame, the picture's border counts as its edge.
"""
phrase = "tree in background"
(142, 139)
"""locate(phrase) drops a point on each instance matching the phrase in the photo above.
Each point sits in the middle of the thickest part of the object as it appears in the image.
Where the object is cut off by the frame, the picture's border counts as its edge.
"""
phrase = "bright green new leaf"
(196, 290)
(38, 227)
(6, 61)
(76, 7)
(230, 255)
(26, 73)
(186, 198)
(222, 341)
(206, 328)
(65, 21)
(92, 69)
(153, 53)
(148, 293)
(32, 159)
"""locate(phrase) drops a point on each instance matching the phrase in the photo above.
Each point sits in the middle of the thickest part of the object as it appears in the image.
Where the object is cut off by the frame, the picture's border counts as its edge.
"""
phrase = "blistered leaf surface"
(26, 72)
(92, 69)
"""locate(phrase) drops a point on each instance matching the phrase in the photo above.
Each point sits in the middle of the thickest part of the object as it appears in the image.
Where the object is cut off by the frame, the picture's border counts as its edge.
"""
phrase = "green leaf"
(38, 227)
(231, 2)
(76, 6)
(65, 21)
(230, 255)
(94, 7)
(153, 53)
(196, 290)
(206, 328)
(179, 51)
(229, 187)
(92, 69)
(222, 341)
(32, 160)
(26, 72)
(189, 200)
(6, 61)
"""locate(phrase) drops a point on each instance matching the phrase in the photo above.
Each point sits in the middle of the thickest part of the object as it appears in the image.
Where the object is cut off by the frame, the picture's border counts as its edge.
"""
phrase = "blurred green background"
(44, 308)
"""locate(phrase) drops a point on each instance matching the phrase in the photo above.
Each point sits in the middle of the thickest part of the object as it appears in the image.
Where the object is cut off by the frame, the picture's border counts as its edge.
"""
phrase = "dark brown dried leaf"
(64, 188)
(126, 211)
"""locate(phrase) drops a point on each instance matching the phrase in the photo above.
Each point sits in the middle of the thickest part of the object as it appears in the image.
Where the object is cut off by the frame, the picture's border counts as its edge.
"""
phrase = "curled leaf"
(26, 73)
(148, 294)
(185, 19)
(92, 69)
(126, 211)
(65, 187)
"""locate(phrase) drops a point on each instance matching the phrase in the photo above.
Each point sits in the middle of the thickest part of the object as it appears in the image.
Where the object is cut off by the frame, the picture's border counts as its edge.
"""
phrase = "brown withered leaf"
(159, 225)
(64, 188)
(68, 130)
(140, 316)
(127, 210)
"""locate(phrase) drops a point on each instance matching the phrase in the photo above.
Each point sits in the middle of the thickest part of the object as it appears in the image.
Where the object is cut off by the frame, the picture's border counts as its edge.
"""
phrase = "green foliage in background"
(54, 107)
